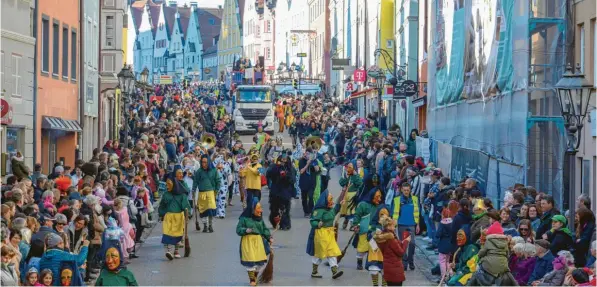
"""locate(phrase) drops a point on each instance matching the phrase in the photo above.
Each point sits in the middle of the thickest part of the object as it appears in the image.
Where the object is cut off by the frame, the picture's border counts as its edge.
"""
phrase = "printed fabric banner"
(449, 49)
(471, 163)
(423, 149)
(444, 157)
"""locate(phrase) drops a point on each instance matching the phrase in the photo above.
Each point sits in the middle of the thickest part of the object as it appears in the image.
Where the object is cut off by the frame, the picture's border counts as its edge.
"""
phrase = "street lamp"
(126, 80)
(144, 75)
(574, 93)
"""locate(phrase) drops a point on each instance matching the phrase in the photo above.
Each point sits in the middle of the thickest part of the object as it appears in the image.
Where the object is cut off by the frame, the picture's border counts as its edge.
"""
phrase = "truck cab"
(253, 105)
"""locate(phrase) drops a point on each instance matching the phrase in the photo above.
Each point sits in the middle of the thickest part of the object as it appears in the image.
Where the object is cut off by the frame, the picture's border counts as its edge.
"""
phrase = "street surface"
(215, 256)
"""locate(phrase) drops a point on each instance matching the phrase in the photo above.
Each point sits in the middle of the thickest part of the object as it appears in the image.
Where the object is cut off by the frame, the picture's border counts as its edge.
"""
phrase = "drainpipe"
(100, 114)
(79, 152)
(35, 56)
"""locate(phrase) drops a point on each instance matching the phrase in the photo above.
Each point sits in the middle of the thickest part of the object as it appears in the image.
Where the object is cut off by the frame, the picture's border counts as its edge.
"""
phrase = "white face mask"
(98, 208)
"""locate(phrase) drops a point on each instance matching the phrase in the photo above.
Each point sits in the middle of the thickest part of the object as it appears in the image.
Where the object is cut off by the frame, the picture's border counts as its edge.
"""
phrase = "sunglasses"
(523, 229)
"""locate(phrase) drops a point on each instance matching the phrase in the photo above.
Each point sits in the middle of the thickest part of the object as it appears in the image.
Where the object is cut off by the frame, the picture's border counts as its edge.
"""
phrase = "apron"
(325, 243)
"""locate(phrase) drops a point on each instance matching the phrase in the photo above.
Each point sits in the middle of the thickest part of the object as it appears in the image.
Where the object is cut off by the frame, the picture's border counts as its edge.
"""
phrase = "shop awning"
(362, 93)
(53, 123)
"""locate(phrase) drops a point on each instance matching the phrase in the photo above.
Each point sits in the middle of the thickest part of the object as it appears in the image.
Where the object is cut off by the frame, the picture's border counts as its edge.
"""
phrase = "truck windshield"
(260, 96)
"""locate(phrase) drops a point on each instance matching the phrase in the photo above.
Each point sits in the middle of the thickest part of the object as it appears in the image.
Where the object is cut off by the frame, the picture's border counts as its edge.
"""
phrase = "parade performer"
(223, 168)
(375, 256)
(280, 113)
(173, 205)
(255, 239)
(322, 242)
(282, 175)
(207, 180)
(114, 273)
(253, 178)
(352, 183)
(361, 222)
(464, 262)
(260, 137)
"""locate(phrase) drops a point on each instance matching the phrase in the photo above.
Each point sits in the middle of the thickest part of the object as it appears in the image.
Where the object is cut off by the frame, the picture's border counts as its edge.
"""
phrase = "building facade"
(57, 71)
(17, 81)
(88, 93)
(210, 22)
(144, 44)
(193, 44)
(318, 54)
(407, 56)
(230, 46)
(290, 34)
(116, 19)
(585, 53)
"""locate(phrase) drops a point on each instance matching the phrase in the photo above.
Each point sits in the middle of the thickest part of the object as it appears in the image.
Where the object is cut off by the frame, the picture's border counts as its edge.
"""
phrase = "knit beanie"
(495, 228)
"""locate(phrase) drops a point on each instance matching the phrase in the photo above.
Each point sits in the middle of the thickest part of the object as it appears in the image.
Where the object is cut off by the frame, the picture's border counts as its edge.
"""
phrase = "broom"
(339, 258)
(268, 272)
(445, 278)
(187, 245)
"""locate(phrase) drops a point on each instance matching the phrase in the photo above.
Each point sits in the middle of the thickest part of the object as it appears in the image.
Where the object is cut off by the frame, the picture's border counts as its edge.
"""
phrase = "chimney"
(172, 3)
(219, 7)
(194, 4)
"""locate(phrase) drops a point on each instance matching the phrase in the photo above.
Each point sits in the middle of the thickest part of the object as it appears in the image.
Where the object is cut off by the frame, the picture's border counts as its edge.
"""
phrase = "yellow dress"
(207, 201)
(325, 243)
(252, 249)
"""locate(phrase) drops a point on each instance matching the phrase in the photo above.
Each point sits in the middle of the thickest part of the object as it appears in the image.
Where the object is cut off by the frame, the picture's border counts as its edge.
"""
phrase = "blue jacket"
(444, 233)
(542, 266)
(53, 259)
(171, 151)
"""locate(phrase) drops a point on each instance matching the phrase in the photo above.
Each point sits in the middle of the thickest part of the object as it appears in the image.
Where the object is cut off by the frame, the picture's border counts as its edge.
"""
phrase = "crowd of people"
(182, 161)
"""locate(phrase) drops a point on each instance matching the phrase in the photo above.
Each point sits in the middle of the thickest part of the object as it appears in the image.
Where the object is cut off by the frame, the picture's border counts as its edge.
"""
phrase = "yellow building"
(229, 44)
(386, 32)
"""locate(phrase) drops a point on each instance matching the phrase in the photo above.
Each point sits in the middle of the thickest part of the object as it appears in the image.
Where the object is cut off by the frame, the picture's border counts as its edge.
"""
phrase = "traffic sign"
(359, 75)
(301, 55)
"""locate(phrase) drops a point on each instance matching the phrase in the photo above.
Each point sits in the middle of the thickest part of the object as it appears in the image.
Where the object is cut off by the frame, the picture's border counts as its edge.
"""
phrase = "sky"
(203, 3)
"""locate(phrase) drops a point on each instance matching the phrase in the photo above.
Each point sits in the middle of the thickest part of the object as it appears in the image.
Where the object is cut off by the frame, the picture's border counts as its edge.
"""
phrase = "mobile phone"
(405, 234)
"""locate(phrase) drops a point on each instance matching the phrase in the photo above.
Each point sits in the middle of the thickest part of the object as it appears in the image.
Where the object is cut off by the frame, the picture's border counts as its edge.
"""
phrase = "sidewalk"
(427, 260)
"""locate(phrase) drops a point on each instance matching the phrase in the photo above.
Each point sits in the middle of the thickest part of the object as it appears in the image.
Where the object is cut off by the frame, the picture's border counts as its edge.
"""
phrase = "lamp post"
(574, 93)
(126, 80)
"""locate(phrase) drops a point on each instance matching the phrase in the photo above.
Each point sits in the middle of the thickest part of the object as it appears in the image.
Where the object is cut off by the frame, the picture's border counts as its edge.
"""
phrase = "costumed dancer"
(253, 177)
(223, 168)
(464, 262)
(296, 155)
(375, 256)
(114, 273)
(282, 176)
(360, 224)
(322, 243)
(207, 180)
(352, 182)
(255, 239)
(172, 209)
(260, 137)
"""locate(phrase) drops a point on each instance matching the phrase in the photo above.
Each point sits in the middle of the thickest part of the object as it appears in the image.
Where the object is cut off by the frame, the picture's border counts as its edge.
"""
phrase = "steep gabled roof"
(154, 11)
(170, 18)
(137, 9)
(185, 17)
(207, 30)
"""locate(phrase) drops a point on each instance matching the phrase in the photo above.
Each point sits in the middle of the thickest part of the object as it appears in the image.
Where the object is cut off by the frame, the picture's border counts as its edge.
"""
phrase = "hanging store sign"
(5, 112)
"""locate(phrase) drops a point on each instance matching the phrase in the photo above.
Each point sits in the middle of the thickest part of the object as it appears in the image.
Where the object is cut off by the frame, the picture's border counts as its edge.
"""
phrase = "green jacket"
(123, 278)
(362, 216)
(206, 180)
(173, 203)
(325, 215)
(493, 257)
(355, 182)
(258, 227)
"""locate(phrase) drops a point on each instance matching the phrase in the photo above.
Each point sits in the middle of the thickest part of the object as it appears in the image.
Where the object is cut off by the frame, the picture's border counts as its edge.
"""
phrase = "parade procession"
(298, 143)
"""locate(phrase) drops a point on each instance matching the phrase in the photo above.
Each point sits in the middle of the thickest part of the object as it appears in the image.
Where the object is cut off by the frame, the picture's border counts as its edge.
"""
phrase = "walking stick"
(196, 201)
(444, 277)
(339, 258)
(187, 245)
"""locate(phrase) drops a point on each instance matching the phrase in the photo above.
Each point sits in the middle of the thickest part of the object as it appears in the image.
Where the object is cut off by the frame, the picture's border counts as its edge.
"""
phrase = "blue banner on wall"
(471, 163)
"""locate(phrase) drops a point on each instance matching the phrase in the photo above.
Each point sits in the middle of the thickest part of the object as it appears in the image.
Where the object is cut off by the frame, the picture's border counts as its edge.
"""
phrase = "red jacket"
(393, 250)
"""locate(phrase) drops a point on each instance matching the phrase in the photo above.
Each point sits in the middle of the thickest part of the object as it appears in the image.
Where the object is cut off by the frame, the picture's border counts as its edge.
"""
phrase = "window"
(64, 51)
(125, 21)
(55, 47)
(45, 45)
(212, 21)
(108, 63)
(73, 54)
(110, 31)
(16, 69)
(268, 53)
(582, 48)
(31, 21)
(109, 3)
(268, 26)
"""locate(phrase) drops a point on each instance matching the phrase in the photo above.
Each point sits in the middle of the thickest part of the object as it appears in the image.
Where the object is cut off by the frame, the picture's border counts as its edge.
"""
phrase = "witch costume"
(207, 180)
(172, 209)
(254, 243)
(322, 240)
(114, 273)
(361, 221)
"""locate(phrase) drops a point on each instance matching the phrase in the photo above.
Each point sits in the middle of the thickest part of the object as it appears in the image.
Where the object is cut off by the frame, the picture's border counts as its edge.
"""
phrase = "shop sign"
(5, 112)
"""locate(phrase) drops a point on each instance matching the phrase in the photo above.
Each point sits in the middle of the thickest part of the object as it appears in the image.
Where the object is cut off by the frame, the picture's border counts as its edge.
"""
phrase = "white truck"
(253, 106)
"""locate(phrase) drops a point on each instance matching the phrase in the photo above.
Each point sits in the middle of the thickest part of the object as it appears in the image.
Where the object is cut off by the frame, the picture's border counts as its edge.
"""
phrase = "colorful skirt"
(253, 250)
(325, 243)
(363, 243)
(173, 228)
(344, 211)
(207, 203)
(374, 259)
